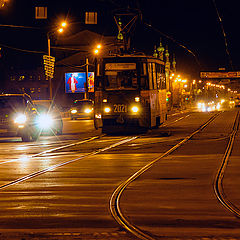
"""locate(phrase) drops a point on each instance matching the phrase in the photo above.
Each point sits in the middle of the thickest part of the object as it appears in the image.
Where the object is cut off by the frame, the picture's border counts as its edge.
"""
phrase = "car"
(82, 108)
(237, 101)
(17, 117)
(49, 120)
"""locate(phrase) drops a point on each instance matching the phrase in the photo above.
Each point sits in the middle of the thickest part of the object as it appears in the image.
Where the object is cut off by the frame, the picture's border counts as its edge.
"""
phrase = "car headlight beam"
(88, 110)
(20, 119)
(45, 121)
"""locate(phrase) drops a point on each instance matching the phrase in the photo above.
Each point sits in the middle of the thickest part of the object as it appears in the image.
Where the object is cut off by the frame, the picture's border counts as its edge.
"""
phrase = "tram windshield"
(120, 76)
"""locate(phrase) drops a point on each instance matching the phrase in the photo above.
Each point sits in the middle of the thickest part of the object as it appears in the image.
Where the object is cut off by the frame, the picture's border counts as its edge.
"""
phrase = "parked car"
(49, 120)
(17, 116)
(82, 109)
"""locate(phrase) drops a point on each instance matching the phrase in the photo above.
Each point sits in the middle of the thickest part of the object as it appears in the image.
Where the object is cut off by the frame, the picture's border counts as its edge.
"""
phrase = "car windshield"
(41, 108)
(14, 102)
(81, 104)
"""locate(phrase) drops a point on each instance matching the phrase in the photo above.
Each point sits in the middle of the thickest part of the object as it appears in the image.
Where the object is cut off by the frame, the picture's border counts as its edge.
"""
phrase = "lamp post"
(49, 78)
(60, 30)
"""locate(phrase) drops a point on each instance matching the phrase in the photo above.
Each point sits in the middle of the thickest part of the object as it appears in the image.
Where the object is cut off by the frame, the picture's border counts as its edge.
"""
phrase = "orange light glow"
(63, 24)
(60, 30)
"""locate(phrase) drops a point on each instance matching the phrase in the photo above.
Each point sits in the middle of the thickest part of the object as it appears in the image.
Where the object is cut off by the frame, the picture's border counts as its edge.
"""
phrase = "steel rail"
(114, 203)
(57, 148)
(53, 167)
(78, 143)
(218, 183)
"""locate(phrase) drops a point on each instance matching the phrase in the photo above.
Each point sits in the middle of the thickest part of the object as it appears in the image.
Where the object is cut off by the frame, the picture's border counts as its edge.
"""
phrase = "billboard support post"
(86, 85)
(49, 78)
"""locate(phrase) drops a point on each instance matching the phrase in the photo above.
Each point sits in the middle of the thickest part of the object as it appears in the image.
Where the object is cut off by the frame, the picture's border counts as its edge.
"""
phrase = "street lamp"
(60, 30)
(2, 3)
(97, 49)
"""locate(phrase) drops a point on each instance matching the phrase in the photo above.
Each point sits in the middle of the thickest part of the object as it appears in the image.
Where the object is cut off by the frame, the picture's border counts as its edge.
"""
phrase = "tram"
(130, 92)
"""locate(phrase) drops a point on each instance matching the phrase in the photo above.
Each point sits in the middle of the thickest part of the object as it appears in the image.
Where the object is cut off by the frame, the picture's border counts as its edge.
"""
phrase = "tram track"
(218, 183)
(80, 143)
(56, 149)
(89, 154)
(114, 203)
(52, 150)
(55, 166)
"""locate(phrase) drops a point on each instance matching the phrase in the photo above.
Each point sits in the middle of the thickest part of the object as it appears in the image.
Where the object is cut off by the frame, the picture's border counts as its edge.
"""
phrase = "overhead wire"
(224, 34)
(22, 50)
(175, 41)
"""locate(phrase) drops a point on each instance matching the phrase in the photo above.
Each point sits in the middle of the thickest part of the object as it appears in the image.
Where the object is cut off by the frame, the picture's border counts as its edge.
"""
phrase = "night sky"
(193, 24)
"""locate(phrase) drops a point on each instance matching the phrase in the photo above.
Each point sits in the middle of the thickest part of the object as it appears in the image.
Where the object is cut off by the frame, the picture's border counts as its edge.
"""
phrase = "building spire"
(155, 54)
(160, 50)
(174, 63)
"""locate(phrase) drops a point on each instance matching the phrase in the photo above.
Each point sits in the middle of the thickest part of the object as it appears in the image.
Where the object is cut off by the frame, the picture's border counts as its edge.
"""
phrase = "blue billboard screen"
(75, 82)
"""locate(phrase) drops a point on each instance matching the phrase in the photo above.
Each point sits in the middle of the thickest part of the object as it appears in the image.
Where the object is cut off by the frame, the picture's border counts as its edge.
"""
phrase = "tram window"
(143, 69)
(154, 76)
(150, 77)
(163, 80)
(158, 74)
(121, 79)
(144, 83)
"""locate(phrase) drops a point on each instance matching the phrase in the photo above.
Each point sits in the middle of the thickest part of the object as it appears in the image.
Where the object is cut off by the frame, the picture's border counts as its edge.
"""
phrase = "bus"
(130, 92)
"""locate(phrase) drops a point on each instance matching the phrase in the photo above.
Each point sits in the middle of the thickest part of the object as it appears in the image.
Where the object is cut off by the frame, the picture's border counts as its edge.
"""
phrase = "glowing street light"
(60, 30)
(63, 24)
(2, 3)
(97, 49)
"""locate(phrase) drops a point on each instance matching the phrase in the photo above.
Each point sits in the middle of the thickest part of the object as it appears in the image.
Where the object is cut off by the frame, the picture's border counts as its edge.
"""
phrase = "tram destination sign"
(220, 74)
(120, 66)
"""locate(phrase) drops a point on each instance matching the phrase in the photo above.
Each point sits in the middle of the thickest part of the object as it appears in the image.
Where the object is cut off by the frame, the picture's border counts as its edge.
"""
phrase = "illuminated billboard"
(75, 82)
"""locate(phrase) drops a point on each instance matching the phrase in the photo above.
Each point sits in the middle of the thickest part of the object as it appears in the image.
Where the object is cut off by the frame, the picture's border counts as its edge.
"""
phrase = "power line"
(22, 50)
(175, 41)
(224, 34)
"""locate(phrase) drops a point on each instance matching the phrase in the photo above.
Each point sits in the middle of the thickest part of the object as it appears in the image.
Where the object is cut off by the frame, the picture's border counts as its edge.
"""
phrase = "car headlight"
(135, 109)
(45, 121)
(20, 118)
(98, 116)
(107, 109)
(88, 110)
(73, 111)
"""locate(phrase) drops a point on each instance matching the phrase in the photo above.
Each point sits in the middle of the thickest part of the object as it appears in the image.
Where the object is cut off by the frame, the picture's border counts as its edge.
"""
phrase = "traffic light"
(168, 96)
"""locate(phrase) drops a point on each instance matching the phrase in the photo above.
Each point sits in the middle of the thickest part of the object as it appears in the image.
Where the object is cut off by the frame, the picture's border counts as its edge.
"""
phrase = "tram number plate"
(119, 108)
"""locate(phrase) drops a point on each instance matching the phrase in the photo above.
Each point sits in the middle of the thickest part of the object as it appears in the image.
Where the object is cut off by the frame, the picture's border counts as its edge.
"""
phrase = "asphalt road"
(65, 193)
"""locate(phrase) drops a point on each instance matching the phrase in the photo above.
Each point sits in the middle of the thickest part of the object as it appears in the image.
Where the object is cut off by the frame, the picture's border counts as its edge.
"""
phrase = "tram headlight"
(20, 119)
(73, 111)
(107, 109)
(135, 109)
